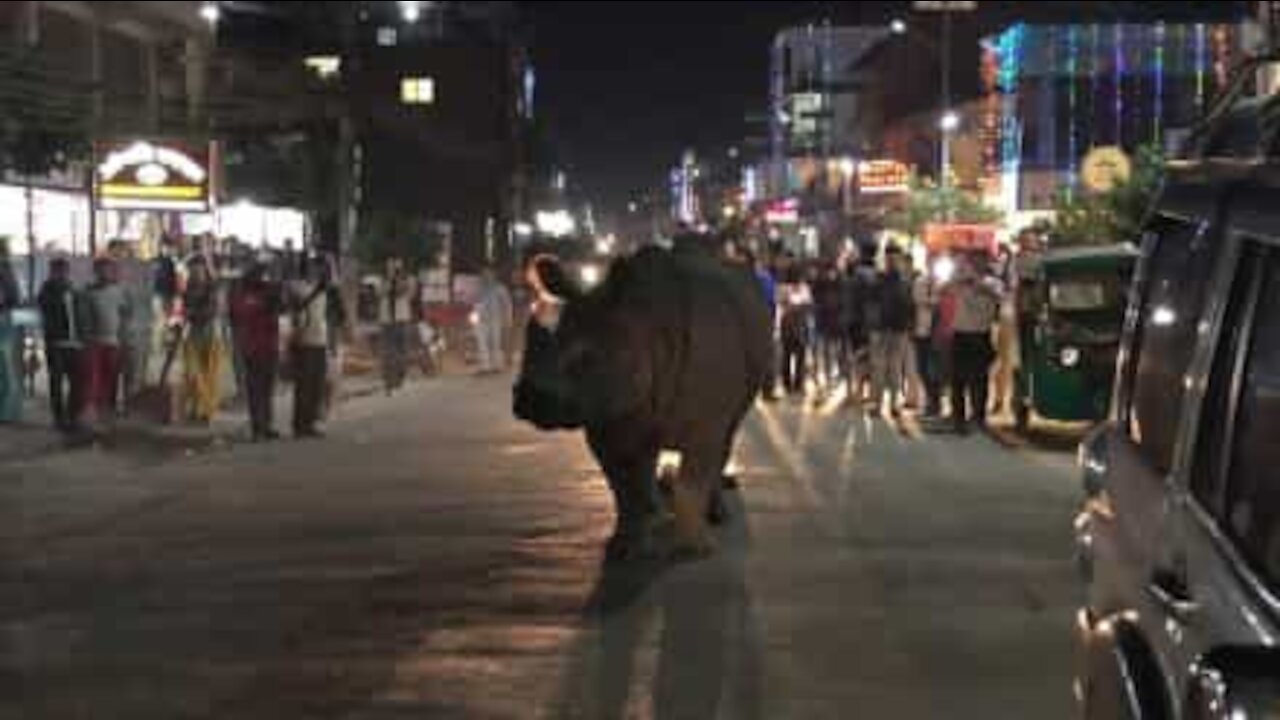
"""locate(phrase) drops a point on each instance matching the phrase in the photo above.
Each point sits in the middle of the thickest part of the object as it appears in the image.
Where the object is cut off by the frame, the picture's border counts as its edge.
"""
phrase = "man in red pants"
(106, 306)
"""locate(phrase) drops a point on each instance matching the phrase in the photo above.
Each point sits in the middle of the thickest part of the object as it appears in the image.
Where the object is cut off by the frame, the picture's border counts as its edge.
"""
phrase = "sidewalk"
(35, 437)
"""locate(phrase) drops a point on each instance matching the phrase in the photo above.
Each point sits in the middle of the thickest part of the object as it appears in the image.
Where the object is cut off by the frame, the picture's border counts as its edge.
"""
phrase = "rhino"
(667, 354)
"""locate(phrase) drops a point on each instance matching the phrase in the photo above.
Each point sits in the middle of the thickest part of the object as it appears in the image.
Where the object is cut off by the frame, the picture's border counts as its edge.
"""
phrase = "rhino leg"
(717, 511)
(629, 469)
(691, 494)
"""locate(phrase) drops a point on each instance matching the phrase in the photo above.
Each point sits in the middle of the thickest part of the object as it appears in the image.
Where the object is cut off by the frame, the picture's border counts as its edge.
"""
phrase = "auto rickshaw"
(1070, 319)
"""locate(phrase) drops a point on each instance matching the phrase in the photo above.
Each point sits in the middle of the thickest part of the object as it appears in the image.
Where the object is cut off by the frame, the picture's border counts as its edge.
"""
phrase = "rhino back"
(708, 338)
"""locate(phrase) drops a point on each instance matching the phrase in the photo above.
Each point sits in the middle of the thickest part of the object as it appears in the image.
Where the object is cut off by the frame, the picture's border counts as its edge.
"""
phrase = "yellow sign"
(153, 175)
(1104, 168)
(883, 177)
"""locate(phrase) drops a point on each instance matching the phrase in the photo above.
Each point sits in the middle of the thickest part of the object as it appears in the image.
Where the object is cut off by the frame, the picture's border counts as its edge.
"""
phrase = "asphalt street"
(434, 558)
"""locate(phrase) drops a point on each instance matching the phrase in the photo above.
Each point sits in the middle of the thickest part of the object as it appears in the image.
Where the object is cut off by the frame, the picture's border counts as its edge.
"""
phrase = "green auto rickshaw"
(1071, 307)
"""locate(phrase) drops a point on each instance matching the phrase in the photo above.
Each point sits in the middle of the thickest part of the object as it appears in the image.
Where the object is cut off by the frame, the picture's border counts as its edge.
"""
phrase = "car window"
(1174, 298)
(1212, 459)
(1253, 487)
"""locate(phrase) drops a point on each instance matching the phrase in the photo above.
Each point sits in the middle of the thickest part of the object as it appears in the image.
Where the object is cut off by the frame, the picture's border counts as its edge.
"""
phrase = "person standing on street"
(256, 306)
(202, 349)
(137, 333)
(339, 336)
(830, 330)
(925, 299)
(769, 288)
(62, 345)
(493, 319)
(107, 309)
(797, 307)
(395, 315)
(890, 339)
(10, 371)
(309, 299)
(1006, 346)
(977, 303)
(860, 312)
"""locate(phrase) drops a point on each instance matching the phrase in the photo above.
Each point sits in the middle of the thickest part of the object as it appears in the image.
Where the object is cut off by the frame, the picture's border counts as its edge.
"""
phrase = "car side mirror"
(1236, 684)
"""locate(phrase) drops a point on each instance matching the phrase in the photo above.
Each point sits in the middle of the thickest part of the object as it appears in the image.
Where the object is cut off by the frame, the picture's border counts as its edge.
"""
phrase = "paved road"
(435, 559)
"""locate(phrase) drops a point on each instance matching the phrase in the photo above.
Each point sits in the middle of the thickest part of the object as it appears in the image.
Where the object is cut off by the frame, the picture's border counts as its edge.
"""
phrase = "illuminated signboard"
(152, 175)
(783, 212)
(880, 177)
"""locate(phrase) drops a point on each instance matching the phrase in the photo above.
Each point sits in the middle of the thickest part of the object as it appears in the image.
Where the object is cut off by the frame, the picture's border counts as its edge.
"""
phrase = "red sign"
(783, 212)
(942, 238)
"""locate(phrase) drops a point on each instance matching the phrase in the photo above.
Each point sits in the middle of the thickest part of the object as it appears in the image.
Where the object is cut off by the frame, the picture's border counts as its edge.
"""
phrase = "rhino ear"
(549, 277)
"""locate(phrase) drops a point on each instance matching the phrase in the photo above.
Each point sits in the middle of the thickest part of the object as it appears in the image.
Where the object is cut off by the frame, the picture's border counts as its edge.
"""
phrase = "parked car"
(1179, 539)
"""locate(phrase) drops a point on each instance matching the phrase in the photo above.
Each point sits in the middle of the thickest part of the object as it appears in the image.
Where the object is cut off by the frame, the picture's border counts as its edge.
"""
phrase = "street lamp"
(210, 13)
(410, 11)
(948, 124)
(898, 26)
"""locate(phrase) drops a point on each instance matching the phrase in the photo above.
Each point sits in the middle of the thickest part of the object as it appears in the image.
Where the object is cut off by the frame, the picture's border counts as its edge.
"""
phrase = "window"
(1217, 417)
(1078, 296)
(417, 91)
(387, 37)
(1252, 511)
(1177, 280)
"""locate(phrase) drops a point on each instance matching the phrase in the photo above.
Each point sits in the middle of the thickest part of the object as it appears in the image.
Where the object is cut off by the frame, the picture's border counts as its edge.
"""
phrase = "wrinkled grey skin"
(668, 354)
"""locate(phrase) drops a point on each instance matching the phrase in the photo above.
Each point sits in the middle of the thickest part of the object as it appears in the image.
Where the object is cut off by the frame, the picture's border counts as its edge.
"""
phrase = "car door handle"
(1172, 598)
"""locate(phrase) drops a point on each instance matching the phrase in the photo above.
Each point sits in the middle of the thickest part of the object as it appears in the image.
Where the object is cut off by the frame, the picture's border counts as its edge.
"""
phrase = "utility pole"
(948, 121)
(944, 116)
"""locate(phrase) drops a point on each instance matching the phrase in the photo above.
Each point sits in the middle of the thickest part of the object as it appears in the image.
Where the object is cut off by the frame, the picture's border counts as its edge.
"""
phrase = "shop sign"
(1104, 168)
(783, 212)
(153, 175)
(882, 177)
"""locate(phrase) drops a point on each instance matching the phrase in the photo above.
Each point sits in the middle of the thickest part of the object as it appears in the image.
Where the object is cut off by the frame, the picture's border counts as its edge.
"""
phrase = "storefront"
(59, 219)
(144, 189)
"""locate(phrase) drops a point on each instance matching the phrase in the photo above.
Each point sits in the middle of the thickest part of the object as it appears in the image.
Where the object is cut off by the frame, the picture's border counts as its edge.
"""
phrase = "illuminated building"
(1054, 92)
(813, 99)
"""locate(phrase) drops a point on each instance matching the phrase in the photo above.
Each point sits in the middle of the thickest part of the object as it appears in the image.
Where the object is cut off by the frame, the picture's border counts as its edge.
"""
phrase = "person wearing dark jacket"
(860, 312)
(829, 353)
(256, 306)
(63, 344)
(797, 310)
(889, 340)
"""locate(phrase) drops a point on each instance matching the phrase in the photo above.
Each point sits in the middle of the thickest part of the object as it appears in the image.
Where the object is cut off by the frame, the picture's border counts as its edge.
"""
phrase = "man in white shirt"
(977, 307)
(310, 346)
(493, 317)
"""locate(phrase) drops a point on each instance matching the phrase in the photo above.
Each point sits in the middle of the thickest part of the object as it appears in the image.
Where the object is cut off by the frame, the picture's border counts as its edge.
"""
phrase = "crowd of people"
(892, 335)
(111, 344)
(227, 323)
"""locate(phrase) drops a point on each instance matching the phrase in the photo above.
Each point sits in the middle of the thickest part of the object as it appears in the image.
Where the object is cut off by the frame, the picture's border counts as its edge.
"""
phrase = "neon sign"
(144, 175)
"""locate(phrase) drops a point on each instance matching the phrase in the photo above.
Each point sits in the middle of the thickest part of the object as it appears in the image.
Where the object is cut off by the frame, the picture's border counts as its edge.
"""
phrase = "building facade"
(72, 73)
(1053, 93)
(814, 100)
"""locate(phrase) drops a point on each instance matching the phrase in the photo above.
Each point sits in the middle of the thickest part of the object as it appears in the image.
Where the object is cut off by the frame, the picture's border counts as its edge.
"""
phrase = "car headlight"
(590, 275)
(1070, 357)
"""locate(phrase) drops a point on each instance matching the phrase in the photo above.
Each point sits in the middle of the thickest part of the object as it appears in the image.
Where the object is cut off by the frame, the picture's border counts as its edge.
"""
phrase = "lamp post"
(948, 121)
(947, 124)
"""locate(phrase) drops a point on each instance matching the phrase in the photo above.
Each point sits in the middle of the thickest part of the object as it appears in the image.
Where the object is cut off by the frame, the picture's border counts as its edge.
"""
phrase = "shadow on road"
(705, 661)
(1043, 436)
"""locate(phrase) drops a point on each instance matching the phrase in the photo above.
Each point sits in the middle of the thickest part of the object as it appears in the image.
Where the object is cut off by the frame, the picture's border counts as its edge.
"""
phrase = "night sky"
(625, 86)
